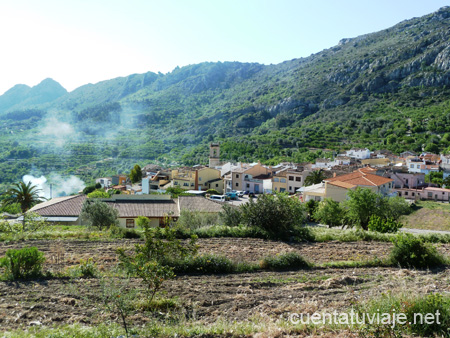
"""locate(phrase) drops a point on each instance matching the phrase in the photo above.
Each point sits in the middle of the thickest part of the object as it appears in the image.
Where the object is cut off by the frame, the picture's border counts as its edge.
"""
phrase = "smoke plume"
(56, 185)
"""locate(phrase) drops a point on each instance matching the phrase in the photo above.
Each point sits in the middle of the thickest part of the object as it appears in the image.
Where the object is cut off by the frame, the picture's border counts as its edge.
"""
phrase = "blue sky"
(76, 42)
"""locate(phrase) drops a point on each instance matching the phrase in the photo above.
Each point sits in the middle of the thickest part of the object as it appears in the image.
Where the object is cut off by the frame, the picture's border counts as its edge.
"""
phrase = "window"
(130, 223)
(430, 195)
(282, 190)
(418, 166)
(291, 178)
(237, 175)
(192, 185)
(406, 193)
(290, 188)
(282, 180)
(200, 179)
(237, 184)
(412, 194)
(248, 185)
(276, 189)
(276, 179)
(175, 183)
(298, 179)
(412, 166)
(217, 185)
(185, 184)
(406, 181)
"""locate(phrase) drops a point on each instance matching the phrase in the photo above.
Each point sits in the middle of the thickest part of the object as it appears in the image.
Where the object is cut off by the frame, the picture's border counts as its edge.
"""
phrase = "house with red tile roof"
(337, 187)
(67, 210)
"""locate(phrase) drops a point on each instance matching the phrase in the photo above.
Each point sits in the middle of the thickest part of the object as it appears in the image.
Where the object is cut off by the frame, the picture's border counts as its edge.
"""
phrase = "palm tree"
(26, 195)
(315, 177)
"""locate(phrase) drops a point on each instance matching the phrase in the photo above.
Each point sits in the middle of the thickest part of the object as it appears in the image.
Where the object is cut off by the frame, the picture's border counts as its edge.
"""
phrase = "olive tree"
(99, 214)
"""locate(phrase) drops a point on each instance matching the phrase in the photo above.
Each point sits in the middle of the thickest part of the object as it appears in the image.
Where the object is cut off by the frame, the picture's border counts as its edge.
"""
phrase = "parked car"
(240, 193)
(251, 195)
(232, 195)
(246, 192)
(219, 198)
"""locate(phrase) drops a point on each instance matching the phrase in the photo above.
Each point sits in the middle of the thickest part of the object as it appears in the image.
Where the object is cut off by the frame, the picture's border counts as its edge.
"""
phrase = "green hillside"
(388, 89)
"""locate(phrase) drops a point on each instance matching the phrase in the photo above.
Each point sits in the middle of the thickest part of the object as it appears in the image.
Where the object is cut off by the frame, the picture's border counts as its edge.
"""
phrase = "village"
(205, 189)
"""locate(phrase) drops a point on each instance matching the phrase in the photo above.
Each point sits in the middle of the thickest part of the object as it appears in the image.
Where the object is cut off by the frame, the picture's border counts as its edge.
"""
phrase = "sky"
(76, 42)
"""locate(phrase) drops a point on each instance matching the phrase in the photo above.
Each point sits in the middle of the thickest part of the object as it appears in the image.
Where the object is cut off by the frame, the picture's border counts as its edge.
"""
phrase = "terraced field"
(208, 299)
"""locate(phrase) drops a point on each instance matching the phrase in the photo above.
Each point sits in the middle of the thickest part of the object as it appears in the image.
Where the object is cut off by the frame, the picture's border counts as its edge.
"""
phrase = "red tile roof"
(60, 206)
(361, 177)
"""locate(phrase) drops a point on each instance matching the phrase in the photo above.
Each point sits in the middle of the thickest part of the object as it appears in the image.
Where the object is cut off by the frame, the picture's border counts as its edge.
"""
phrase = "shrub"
(22, 263)
(149, 260)
(379, 224)
(231, 216)
(287, 261)
(196, 219)
(212, 192)
(412, 252)
(425, 305)
(208, 263)
(330, 212)
(278, 215)
(99, 193)
(143, 222)
(119, 232)
(311, 207)
(86, 269)
(414, 308)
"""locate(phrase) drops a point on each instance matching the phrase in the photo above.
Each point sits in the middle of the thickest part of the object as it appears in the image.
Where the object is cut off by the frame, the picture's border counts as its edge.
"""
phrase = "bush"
(212, 192)
(379, 224)
(22, 263)
(411, 306)
(330, 212)
(86, 269)
(98, 193)
(208, 263)
(412, 252)
(287, 261)
(149, 260)
(231, 216)
(278, 215)
(196, 219)
(119, 232)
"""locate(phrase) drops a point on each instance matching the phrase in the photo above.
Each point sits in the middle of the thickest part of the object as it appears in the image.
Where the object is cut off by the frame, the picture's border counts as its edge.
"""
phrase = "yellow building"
(185, 178)
(209, 178)
(279, 182)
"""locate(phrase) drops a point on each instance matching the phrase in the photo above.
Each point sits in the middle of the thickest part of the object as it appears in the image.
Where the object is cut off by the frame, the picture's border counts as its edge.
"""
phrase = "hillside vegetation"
(388, 89)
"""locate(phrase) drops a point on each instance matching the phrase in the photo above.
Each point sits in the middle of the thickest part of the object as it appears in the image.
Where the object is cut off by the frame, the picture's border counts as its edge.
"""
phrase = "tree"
(26, 195)
(362, 204)
(331, 213)
(99, 193)
(435, 178)
(151, 261)
(315, 177)
(446, 181)
(278, 215)
(136, 174)
(396, 207)
(99, 214)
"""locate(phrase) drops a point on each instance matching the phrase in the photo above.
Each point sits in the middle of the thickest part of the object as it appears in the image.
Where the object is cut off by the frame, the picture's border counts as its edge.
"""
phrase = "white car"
(240, 193)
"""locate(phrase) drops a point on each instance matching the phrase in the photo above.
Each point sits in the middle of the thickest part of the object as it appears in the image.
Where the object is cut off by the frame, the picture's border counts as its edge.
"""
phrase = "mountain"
(22, 96)
(388, 89)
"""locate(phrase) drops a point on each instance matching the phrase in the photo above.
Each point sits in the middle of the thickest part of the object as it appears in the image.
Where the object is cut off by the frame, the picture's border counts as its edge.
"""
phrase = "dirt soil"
(209, 298)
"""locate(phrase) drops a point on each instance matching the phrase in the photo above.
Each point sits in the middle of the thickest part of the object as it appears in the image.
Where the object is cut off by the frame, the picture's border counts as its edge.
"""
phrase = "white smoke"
(57, 130)
(56, 185)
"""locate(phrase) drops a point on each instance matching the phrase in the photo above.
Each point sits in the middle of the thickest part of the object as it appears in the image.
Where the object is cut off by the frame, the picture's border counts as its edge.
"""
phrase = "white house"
(358, 153)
